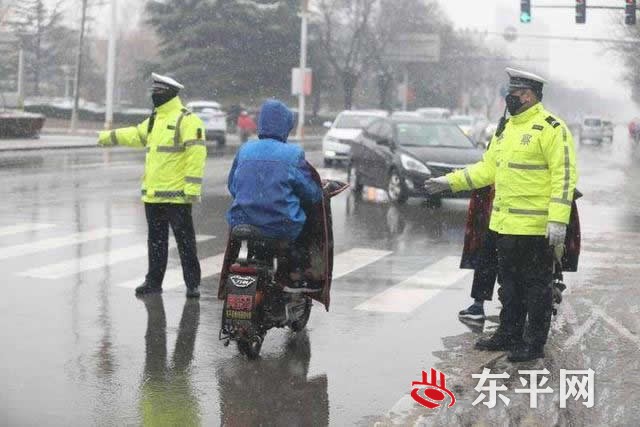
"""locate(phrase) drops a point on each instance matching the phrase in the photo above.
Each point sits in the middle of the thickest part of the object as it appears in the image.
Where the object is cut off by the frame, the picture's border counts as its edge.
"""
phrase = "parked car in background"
(344, 129)
(405, 115)
(398, 155)
(592, 130)
(434, 113)
(608, 130)
(214, 119)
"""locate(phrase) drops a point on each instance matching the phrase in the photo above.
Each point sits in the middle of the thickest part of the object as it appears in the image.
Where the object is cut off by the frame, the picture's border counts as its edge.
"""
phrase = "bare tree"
(345, 30)
(37, 28)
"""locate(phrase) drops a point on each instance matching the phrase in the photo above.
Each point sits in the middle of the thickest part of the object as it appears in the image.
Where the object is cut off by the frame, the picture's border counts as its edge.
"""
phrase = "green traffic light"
(525, 18)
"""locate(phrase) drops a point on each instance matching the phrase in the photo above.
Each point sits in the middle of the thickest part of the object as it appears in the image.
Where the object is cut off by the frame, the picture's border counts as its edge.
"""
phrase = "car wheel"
(354, 179)
(222, 141)
(327, 163)
(396, 190)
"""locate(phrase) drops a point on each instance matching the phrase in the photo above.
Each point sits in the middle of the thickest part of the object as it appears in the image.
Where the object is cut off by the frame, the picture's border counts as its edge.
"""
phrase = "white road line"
(354, 259)
(99, 260)
(580, 331)
(57, 242)
(617, 325)
(22, 228)
(417, 289)
(173, 277)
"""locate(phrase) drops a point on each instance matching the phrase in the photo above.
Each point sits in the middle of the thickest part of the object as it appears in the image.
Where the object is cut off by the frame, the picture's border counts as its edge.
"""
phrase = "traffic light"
(630, 12)
(581, 11)
(525, 11)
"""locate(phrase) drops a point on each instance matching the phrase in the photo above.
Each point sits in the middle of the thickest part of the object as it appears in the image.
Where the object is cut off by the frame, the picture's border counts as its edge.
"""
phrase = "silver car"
(592, 130)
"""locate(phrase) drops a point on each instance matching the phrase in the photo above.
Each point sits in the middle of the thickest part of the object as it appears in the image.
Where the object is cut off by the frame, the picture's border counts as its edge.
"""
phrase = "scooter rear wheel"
(299, 325)
(250, 346)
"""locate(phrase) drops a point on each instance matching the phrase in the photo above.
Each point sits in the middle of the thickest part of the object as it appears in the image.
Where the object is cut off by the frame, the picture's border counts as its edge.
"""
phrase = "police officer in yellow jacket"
(533, 166)
(174, 141)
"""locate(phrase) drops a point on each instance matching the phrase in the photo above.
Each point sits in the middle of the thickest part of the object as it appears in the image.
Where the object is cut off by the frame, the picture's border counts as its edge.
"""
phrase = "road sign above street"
(413, 48)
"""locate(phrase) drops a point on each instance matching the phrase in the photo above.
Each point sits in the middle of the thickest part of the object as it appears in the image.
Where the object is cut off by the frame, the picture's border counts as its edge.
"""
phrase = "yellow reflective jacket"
(533, 166)
(176, 152)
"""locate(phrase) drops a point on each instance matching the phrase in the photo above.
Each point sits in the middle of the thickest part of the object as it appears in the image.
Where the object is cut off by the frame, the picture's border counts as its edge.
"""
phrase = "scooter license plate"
(239, 307)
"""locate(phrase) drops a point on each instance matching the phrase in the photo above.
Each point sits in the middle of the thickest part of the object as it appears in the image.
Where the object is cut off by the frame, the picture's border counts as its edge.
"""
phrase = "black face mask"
(163, 97)
(513, 104)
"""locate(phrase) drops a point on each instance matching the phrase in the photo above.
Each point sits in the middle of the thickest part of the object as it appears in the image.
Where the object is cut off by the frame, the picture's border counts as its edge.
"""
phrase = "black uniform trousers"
(159, 217)
(525, 268)
(486, 268)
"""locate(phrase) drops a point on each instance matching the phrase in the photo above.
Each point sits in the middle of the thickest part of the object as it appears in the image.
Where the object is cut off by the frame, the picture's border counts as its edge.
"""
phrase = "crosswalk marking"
(173, 277)
(90, 262)
(354, 259)
(58, 242)
(417, 289)
(344, 263)
(22, 228)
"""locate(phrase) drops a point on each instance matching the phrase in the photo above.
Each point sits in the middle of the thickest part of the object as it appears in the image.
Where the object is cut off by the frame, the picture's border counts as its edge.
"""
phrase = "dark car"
(399, 155)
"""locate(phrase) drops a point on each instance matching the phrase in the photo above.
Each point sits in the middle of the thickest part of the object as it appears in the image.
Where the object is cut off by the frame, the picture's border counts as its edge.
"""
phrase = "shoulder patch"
(552, 121)
(537, 127)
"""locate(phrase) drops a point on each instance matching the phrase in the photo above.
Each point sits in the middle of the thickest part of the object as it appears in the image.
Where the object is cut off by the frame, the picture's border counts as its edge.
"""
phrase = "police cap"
(164, 82)
(519, 79)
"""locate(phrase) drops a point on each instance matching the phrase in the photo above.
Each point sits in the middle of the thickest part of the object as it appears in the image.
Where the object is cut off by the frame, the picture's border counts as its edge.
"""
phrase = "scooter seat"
(247, 232)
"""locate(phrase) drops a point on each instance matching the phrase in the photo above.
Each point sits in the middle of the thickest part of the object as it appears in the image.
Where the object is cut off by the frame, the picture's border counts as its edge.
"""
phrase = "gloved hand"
(437, 185)
(192, 198)
(556, 233)
(104, 138)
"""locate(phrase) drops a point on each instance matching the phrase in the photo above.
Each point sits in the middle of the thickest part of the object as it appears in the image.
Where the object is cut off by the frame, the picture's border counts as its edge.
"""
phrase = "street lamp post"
(304, 15)
(111, 68)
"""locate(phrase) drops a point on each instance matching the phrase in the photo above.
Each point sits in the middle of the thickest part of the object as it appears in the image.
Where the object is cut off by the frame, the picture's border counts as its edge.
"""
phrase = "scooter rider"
(270, 182)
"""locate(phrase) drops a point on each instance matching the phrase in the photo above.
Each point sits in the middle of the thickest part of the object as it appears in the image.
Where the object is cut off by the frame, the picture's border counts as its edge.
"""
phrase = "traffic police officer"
(174, 165)
(533, 166)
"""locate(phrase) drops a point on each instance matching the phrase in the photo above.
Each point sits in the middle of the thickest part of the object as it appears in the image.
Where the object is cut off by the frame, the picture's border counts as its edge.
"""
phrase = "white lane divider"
(23, 228)
(417, 289)
(354, 259)
(99, 260)
(173, 277)
(58, 242)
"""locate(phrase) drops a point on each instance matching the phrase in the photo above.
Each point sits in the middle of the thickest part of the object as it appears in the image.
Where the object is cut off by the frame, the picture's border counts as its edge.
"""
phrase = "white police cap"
(519, 79)
(165, 81)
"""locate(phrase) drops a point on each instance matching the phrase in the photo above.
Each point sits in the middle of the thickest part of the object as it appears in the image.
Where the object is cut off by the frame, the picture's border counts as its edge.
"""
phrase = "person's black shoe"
(193, 292)
(146, 288)
(473, 312)
(496, 342)
(526, 353)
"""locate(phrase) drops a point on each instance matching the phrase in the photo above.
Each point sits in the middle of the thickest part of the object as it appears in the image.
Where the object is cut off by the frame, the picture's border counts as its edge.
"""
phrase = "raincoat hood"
(276, 121)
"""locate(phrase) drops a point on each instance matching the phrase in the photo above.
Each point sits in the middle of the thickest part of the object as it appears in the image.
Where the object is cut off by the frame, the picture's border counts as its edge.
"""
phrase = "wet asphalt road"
(80, 349)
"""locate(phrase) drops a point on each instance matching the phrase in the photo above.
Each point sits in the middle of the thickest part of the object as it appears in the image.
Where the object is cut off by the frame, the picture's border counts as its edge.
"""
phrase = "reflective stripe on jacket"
(176, 152)
(533, 166)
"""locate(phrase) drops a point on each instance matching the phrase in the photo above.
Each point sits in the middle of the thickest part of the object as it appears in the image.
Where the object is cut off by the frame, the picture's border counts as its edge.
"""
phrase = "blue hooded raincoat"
(270, 180)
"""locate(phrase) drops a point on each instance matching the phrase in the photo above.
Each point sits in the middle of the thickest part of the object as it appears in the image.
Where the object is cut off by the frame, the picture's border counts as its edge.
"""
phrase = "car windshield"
(593, 122)
(431, 135)
(353, 121)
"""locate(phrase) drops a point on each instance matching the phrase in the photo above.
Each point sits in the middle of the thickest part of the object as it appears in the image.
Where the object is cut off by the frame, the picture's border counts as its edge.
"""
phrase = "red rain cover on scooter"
(317, 236)
(479, 215)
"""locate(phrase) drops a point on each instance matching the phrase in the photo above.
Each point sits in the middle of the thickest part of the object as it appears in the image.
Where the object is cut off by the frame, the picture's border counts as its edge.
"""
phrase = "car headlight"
(411, 164)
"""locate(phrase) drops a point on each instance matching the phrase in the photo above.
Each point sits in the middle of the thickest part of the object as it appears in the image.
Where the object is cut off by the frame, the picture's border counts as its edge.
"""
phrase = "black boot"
(147, 288)
(193, 292)
(496, 342)
(525, 353)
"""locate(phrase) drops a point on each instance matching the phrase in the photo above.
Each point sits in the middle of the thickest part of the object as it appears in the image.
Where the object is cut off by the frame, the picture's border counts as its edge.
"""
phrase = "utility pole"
(21, 79)
(304, 15)
(78, 74)
(111, 67)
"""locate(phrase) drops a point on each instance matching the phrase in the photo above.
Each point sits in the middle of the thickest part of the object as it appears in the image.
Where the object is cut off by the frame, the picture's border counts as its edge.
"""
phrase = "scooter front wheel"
(301, 323)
